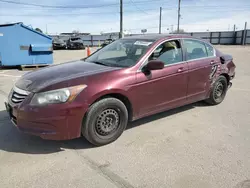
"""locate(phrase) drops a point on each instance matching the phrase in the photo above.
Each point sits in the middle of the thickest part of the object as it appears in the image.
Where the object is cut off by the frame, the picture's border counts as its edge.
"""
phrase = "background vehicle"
(106, 42)
(59, 44)
(75, 43)
(129, 79)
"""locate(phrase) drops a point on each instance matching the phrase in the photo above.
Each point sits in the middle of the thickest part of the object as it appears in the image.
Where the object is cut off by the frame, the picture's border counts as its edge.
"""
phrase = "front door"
(166, 88)
(201, 59)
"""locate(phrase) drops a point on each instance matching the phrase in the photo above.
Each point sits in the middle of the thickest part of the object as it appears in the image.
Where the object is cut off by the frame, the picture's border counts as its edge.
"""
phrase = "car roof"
(161, 36)
(156, 36)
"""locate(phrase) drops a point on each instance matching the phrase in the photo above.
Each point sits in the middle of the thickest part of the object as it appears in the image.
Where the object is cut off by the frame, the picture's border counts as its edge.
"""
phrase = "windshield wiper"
(99, 63)
(108, 64)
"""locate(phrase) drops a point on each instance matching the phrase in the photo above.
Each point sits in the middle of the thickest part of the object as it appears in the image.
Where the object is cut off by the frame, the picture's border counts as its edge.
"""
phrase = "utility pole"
(121, 19)
(160, 21)
(235, 34)
(179, 16)
(244, 34)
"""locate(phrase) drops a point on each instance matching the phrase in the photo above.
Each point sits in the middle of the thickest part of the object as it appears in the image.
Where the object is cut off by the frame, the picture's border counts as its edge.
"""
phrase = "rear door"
(201, 61)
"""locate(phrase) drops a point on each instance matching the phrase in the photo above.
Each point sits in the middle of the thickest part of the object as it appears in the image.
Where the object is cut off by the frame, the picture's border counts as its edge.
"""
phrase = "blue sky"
(197, 15)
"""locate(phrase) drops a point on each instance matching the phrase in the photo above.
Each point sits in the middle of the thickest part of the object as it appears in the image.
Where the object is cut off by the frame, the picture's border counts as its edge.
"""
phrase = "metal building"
(22, 45)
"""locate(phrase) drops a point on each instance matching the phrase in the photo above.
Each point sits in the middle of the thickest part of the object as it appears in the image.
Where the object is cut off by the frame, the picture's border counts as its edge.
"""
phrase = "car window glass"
(158, 49)
(123, 52)
(138, 51)
(195, 49)
(210, 50)
(118, 50)
(74, 39)
(169, 52)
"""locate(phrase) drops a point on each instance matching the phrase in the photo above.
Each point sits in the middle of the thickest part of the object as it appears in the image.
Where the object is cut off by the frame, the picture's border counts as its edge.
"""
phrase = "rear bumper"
(57, 122)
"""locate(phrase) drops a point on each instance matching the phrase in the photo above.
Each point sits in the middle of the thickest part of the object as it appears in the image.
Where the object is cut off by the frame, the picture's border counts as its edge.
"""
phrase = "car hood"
(77, 41)
(40, 79)
(58, 42)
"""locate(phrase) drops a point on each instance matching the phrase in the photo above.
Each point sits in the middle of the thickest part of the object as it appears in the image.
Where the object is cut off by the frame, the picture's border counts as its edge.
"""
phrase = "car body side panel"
(106, 84)
(161, 90)
(200, 75)
(227, 69)
(199, 78)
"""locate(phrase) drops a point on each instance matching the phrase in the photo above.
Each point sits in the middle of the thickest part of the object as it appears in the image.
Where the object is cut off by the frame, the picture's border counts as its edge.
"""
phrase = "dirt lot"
(195, 146)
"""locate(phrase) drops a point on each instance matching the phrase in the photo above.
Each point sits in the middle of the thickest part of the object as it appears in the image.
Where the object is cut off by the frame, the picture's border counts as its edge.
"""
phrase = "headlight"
(57, 96)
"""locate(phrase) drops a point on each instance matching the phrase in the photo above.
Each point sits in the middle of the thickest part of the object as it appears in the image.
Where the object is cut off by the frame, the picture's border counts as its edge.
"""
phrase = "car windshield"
(74, 39)
(58, 40)
(121, 53)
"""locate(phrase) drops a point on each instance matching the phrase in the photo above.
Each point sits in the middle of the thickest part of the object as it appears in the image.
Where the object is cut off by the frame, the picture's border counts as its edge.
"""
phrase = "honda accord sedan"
(129, 79)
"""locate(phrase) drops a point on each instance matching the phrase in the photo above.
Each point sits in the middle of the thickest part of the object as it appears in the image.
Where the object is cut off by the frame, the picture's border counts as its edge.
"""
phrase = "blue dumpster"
(22, 45)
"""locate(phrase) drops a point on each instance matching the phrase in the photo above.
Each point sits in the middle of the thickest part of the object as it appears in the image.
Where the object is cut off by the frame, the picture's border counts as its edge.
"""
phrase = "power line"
(50, 6)
(103, 13)
(69, 14)
(116, 4)
(132, 2)
(73, 7)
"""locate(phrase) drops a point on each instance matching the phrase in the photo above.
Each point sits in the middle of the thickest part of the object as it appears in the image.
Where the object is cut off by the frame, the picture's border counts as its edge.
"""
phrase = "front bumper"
(76, 46)
(53, 122)
(56, 46)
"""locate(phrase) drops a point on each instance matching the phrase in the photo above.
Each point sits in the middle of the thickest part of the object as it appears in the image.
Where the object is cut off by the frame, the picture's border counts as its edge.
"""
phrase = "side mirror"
(155, 65)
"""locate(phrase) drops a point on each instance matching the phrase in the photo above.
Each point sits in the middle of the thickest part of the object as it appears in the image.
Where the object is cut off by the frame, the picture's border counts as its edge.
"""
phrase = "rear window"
(195, 49)
(210, 50)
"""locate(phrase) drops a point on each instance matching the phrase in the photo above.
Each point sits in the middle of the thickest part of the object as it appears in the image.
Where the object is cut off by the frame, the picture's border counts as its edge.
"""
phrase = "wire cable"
(73, 7)
(132, 2)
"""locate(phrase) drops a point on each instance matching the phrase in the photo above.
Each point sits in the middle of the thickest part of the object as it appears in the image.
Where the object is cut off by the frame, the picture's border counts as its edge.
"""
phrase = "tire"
(218, 91)
(105, 121)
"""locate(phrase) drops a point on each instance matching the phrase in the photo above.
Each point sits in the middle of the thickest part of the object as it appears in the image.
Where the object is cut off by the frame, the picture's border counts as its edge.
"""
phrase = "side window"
(169, 52)
(210, 50)
(195, 49)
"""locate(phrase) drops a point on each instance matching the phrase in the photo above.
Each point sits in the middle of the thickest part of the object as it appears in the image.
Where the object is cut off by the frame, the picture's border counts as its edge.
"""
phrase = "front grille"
(18, 95)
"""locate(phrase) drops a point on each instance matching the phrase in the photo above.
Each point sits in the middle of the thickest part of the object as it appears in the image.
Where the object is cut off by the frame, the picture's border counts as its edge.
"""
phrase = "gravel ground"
(195, 146)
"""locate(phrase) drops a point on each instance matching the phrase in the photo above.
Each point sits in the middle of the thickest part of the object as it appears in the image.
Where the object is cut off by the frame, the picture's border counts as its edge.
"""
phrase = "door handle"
(212, 62)
(180, 70)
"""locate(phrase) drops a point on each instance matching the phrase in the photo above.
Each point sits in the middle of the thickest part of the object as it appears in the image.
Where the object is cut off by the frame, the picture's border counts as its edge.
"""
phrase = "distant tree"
(75, 31)
(39, 30)
(180, 31)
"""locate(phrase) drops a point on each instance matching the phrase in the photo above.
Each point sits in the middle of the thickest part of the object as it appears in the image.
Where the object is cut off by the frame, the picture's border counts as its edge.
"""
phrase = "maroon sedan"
(129, 79)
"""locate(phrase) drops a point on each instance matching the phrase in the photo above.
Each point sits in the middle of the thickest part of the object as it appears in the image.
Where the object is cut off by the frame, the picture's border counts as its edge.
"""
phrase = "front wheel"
(218, 91)
(105, 121)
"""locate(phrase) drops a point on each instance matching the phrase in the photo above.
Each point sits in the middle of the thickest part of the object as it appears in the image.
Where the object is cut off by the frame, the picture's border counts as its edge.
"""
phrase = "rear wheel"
(105, 121)
(218, 91)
